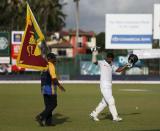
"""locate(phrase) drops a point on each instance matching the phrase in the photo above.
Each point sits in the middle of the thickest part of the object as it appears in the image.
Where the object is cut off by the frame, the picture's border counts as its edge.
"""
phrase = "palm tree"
(4, 21)
(12, 14)
(48, 13)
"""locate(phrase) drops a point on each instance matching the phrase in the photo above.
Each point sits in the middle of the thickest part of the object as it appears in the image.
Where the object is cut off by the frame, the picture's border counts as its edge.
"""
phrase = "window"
(80, 44)
(62, 52)
(80, 41)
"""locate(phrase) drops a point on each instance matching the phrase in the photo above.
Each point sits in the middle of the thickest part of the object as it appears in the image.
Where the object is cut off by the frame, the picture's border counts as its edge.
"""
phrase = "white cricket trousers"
(107, 99)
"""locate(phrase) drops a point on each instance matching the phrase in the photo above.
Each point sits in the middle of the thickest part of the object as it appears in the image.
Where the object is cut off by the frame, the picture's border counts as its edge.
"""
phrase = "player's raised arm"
(120, 69)
(132, 59)
(94, 57)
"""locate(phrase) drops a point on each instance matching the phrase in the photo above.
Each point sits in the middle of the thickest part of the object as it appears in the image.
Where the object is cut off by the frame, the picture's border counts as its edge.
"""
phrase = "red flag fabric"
(30, 52)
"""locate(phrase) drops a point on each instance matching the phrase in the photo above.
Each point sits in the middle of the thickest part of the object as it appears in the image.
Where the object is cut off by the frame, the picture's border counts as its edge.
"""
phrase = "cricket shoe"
(50, 124)
(94, 117)
(39, 120)
(117, 119)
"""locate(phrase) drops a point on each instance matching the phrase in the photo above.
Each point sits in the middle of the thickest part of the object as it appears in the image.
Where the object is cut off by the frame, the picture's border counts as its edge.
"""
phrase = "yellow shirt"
(51, 69)
(52, 72)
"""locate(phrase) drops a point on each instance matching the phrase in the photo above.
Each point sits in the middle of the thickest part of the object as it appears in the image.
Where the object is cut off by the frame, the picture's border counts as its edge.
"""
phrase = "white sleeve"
(114, 68)
(100, 62)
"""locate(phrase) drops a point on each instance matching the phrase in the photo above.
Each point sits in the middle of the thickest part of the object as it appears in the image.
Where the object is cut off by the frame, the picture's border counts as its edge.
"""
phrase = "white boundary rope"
(77, 82)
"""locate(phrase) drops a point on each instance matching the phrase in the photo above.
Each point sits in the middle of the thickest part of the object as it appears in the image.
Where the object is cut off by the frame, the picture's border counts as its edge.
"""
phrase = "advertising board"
(128, 31)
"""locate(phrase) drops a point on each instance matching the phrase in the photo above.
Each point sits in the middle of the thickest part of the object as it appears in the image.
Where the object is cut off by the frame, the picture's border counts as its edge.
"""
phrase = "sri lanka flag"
(30, 55)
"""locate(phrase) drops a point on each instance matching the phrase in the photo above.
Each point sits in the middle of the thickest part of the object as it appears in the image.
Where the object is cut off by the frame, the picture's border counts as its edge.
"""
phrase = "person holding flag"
(49, 83)
(33, 55)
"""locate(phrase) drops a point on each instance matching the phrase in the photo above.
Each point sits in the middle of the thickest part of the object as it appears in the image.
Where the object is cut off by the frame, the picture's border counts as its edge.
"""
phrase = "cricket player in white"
(106, 86)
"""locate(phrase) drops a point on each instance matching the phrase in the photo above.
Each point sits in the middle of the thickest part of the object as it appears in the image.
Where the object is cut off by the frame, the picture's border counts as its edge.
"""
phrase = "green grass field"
(20, 103)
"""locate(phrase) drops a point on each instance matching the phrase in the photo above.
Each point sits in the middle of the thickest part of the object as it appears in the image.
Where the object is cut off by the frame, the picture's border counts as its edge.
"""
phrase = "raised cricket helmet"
(132, 59)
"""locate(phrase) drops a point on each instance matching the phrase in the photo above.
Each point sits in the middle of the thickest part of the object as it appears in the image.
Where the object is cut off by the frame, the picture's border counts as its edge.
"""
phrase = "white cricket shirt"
(106, 74)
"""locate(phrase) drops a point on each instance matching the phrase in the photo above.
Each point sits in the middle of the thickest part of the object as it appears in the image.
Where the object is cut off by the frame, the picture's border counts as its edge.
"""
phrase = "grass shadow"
(104, 116)
(128, 114)
(60, 119)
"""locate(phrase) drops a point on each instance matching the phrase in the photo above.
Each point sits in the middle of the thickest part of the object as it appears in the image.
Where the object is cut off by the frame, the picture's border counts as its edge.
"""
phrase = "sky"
(92, 12)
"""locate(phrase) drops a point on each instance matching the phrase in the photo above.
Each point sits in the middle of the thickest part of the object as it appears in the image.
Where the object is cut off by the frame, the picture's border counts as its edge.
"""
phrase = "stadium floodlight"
(77, 24)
